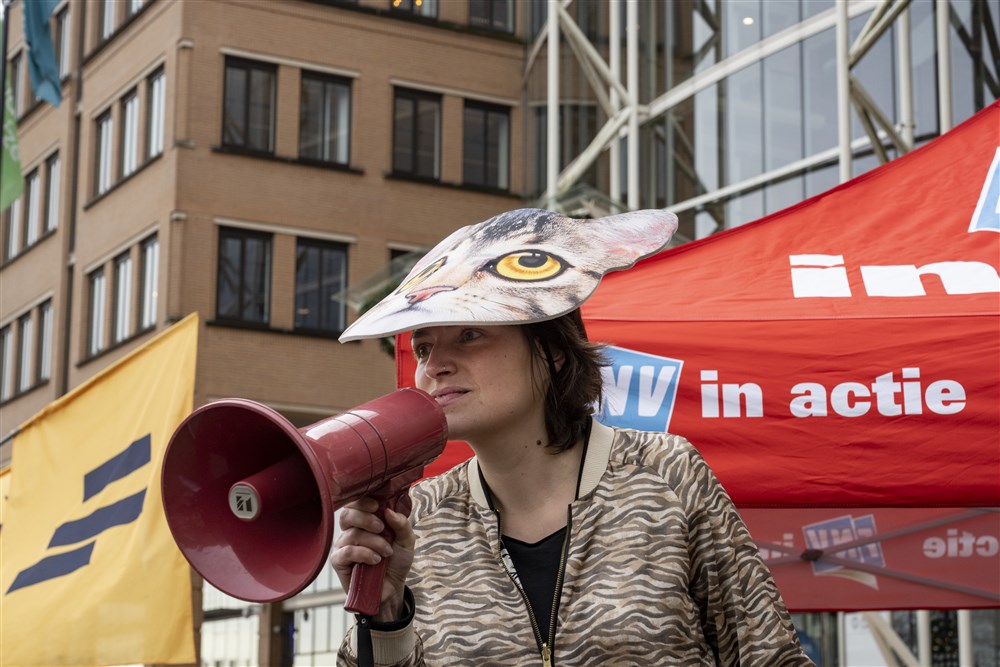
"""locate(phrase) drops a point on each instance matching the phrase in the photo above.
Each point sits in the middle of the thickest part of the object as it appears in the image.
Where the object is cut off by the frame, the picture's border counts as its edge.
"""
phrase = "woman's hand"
(360, 541)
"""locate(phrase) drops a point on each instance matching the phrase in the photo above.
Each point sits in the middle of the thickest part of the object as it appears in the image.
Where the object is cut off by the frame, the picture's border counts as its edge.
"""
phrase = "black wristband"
(407, 618)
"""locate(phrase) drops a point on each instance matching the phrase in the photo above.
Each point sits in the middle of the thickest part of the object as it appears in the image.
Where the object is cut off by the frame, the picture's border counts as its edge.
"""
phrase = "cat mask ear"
(522, 266)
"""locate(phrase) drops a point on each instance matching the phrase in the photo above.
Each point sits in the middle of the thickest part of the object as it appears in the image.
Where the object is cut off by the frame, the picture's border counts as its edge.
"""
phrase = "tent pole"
(924, 637)
(841, 639)
(964, 637)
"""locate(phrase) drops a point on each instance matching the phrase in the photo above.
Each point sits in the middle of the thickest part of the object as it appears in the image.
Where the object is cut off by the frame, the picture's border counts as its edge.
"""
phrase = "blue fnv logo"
(86, 529)
(639, 390)
(987, 214)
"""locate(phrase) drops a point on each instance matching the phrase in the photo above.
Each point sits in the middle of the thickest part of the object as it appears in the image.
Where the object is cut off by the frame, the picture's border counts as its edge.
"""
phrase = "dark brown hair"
(575, 389)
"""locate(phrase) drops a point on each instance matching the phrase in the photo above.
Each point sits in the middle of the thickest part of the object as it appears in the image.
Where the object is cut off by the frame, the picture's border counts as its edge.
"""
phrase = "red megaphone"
(250, 499)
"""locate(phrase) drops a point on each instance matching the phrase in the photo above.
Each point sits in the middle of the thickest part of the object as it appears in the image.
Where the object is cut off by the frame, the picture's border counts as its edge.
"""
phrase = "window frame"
(128, 136)
(148, 281)
(502, 169)
(243, 235)
(62, 41)
(13, 221)
(53, 178)
(323, 247)
(248, 66)
(96, 305)
(25, 354)
(326, 80)
(15, 82)
(8, 367)
(415, 97)
(156, 93)
(121, 313)
(43, 370)
(107, 17)
(32, 215)
(489, 22)
(104, 128)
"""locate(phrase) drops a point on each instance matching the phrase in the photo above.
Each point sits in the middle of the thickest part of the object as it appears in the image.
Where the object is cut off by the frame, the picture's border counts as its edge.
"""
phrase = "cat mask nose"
(416, 296)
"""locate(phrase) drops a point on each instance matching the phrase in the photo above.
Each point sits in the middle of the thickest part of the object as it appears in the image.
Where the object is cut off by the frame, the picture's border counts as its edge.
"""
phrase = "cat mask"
(522, 266)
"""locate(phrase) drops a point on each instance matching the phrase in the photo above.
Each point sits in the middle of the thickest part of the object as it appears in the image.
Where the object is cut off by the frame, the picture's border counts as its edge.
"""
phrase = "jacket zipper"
(545, 646)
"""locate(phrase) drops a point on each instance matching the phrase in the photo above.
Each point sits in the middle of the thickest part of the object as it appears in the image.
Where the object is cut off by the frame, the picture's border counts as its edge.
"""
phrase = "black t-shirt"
(537, 567)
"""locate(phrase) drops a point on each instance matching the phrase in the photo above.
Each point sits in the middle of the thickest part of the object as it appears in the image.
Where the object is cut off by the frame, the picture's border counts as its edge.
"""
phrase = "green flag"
(11, 183)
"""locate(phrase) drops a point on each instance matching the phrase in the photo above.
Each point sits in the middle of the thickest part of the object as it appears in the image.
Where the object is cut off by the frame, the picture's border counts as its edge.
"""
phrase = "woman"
(563, 541)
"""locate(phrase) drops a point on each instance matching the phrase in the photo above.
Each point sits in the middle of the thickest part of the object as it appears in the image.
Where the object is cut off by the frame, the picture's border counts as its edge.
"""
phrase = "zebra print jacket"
(658, 569)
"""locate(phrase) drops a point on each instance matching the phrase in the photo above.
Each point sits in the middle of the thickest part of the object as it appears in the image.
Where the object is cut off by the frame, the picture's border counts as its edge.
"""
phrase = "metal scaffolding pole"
(632, 69)
(615, 61)
(941, 17)
(843, 91)
(552, 99)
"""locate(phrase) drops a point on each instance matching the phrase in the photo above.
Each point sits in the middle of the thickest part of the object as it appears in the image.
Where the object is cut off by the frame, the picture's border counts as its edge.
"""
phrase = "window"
(52, 198)
(6, 363)
(492, 14)
(155, 98)
(45, 341)
(244, 276)
(123, 298)
(149, 255)
(97, 302)
(428, 8)
(130, 133)
(12, 222)
(132, 7)
(486, 151)
(32, 193)
(104, 137)
(325, 118)
(416, 136)
(320, 273)
(107, 18)
(61, 41)
(248, 107)
(26, 339)
(15, 84)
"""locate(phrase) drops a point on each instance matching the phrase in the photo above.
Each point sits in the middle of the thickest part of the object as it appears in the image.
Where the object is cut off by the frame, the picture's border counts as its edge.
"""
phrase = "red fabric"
(726, 304)
(919, 558)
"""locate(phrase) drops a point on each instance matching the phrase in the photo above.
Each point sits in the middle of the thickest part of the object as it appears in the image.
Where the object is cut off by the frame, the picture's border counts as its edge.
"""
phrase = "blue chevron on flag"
(987, 214)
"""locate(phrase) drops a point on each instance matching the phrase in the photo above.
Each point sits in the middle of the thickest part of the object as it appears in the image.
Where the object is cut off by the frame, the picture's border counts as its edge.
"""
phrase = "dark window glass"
(486, 154)
(248, 106)
(416, 137)
(428, 8)
(492, 14)
(325, 118)
(244, 279)
(320, 274)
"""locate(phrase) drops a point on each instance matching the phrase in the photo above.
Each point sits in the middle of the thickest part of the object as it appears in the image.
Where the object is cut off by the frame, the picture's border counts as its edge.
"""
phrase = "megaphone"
(250, 499)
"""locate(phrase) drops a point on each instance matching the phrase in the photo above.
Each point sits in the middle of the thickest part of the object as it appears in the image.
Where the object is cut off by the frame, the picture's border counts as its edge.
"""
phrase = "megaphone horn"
(250, 499)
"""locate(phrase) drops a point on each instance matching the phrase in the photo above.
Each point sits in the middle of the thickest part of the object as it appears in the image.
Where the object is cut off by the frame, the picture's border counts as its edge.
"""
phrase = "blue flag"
(42, 65)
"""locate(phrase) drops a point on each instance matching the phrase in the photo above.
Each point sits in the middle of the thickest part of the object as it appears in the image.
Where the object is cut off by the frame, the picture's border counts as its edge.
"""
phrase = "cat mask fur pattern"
(521, 266)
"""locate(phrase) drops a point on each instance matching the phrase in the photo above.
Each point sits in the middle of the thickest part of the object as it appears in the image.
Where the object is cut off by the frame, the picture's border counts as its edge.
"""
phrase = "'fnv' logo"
(856, 535)
(986, 217)
(86, 529)
(639, 390)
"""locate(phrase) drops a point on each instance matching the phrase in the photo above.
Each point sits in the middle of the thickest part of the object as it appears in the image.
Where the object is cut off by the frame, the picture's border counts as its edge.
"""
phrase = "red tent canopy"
(840, 354)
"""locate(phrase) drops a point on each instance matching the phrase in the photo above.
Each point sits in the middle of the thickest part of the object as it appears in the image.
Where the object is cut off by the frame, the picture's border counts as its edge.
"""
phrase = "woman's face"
(481, 376)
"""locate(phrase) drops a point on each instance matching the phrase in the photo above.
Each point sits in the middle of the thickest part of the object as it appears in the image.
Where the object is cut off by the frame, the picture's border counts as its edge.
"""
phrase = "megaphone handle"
(365, 593)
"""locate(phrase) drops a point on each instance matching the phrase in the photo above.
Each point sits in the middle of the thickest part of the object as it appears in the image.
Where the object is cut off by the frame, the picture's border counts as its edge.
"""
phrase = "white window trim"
(454, 92)
(291, 62)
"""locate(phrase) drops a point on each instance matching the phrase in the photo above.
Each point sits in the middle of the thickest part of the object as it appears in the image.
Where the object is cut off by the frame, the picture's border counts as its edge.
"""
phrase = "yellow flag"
(90, 574)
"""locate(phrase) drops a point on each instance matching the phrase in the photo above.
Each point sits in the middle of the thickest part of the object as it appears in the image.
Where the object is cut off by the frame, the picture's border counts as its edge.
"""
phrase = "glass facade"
(752, 127)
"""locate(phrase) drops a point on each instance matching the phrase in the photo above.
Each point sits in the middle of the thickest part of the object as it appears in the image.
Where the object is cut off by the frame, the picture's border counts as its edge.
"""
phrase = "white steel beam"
(843, 90)
(552, 100)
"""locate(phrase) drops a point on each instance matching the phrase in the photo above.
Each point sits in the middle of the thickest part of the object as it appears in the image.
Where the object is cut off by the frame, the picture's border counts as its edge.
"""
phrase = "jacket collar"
(597, 454)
